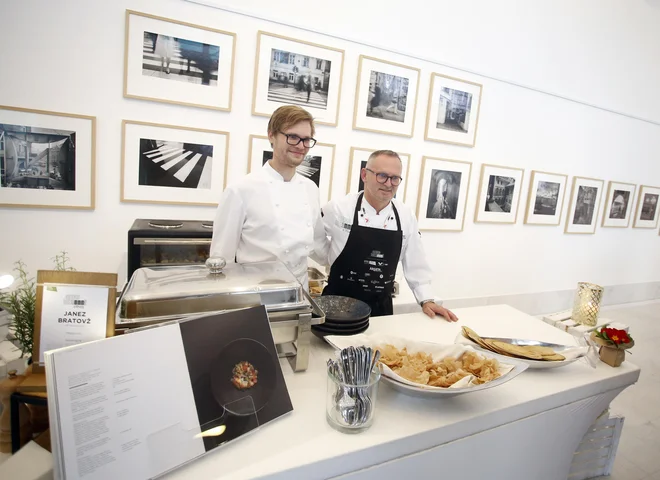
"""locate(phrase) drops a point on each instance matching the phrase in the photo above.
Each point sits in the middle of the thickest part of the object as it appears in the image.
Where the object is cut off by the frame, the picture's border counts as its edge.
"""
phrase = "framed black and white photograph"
(585, 204)
(646, 213)
(453, 110)
(443, 190)
(499, 194)
(47, 159)
(386, 98)
(172, 164)
(295, 72)
(545, 199)
(358, 161)
(618, 204)
(318, 164)
(171, 61)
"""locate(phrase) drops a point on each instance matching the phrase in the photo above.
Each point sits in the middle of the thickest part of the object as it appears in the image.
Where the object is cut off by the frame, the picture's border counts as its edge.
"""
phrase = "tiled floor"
(638, 456)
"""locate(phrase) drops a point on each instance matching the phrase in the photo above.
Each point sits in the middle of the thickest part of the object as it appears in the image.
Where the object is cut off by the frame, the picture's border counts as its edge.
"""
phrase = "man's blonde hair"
(287, 116)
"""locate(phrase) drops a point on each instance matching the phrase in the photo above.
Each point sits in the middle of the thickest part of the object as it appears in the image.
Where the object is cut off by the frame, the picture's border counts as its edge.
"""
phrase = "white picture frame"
(444, 186)
(386, 97)
(499, 194)
(545, 198)
(170, 164)
(582, 214)
(358, 159)
(61, 148)
(453, 110)
(176, 62)
(282, 69)
(321, 176)
(618, 208)
(647, 211)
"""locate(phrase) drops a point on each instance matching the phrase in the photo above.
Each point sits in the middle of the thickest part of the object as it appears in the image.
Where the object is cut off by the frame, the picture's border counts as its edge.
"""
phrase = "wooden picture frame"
(582, 216)
(176, 62)
(85, 286)
(498, 199)
(282, 72)
(386, 97)
(60, 169)
(358, 159)
(321, 153)
(618, 208)
(444, 187)
(172, 164)
(453, 111)
(545, 198)
(647, 196)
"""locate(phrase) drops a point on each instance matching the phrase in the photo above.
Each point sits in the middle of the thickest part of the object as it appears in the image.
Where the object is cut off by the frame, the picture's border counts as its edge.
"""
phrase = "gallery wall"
(81, 71)
(592, 50)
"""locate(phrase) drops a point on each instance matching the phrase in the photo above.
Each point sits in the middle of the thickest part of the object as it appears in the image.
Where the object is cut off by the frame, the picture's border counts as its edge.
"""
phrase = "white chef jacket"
(338, 219)
(262, 218)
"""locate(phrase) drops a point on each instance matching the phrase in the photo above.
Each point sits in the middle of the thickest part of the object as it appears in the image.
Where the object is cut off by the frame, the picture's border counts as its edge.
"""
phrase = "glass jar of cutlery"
(352, 389)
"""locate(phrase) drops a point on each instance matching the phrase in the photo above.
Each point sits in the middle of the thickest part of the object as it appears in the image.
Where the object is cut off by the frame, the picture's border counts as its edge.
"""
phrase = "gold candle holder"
(586, 307)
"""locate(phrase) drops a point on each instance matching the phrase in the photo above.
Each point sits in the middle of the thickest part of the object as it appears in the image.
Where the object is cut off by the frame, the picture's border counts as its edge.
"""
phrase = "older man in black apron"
(369, 233)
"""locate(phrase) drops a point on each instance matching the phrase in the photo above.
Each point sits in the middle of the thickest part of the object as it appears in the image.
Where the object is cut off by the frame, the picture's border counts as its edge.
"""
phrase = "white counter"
(539, 413)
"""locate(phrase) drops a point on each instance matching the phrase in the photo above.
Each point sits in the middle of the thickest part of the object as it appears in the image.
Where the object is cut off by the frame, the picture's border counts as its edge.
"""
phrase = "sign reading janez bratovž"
(71, 315)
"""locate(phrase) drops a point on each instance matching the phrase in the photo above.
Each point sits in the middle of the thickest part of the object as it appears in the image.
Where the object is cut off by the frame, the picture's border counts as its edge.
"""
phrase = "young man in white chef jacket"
(369, 233)
(274, 212)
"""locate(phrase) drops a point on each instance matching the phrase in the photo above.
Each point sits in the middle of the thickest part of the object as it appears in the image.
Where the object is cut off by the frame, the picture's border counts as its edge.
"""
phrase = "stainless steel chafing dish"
(167, 293)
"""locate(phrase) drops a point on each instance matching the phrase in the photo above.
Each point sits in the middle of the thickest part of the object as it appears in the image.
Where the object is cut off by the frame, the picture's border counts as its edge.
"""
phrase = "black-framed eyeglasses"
(292, 139)
(384, 177)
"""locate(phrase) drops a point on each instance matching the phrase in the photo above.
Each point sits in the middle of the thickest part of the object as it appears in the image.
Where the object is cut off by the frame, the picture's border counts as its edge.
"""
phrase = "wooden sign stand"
(55, 278)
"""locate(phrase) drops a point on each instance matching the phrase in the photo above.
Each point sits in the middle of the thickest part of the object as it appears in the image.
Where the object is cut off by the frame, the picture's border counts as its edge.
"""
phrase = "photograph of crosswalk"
(175, 164)
(310, 166)
(180, 59)
(297, 79)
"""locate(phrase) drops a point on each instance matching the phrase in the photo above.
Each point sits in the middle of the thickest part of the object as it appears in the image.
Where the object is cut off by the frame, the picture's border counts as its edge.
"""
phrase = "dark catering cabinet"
(168, 242)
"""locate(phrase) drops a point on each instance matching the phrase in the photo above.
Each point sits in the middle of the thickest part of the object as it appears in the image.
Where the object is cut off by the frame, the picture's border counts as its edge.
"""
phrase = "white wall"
(68, 56)
(603, 52)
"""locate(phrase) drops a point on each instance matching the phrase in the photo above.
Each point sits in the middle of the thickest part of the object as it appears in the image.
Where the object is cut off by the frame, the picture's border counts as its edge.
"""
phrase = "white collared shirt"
(338, 219)
(261, 217)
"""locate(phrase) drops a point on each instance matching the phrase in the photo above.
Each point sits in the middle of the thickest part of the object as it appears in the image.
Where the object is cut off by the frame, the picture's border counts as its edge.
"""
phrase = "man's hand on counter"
(431, 308)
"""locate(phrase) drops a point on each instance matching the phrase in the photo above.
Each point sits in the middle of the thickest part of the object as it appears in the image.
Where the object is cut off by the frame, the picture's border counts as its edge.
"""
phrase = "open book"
(141, 404)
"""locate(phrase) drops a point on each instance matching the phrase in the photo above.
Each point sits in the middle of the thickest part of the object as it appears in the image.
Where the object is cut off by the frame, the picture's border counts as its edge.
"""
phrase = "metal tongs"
(352, 371)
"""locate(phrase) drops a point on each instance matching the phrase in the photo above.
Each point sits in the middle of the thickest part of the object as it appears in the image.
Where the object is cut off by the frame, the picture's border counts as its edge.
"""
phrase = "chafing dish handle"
(316, 310)
(171, 241)
(300, 361)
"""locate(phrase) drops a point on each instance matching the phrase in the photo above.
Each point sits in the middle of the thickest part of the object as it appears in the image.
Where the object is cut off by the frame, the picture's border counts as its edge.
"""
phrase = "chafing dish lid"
(164, 291)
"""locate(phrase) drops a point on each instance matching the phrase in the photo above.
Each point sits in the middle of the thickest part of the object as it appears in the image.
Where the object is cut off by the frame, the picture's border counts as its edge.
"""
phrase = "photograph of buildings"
(298, 79)
(33, 157)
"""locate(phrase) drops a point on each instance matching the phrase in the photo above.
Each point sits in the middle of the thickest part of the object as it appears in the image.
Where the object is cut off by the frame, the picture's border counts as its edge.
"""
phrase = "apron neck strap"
(357, 208)
(396, 215)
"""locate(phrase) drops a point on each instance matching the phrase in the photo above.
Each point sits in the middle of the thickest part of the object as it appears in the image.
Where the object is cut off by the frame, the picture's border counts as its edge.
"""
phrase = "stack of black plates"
(343, 316)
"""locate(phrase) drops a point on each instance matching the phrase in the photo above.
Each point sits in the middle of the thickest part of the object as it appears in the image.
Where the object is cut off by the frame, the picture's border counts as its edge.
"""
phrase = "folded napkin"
(437, 351)
(570, 353)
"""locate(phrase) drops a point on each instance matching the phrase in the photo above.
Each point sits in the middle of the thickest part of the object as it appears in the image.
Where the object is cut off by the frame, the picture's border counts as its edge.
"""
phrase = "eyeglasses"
(292, 139)
(384, 177)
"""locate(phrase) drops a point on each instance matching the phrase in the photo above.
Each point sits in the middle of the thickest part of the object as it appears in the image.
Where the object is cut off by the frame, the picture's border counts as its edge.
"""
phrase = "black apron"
(366, 266)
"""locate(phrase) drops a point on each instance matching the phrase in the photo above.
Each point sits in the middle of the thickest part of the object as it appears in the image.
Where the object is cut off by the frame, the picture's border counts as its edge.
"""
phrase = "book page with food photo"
(200, 383)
